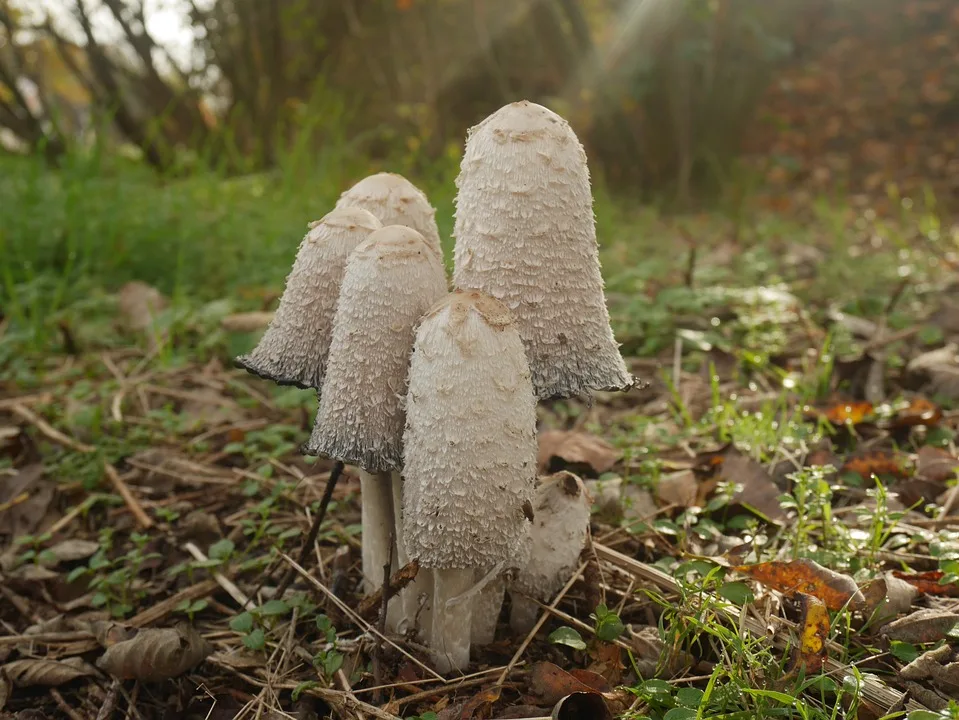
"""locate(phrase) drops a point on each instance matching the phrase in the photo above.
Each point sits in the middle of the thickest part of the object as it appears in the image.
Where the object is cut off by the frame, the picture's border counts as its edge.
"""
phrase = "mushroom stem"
(523, 613)
(486, 609)
(376, 494)
(422, 584)
(452, 618)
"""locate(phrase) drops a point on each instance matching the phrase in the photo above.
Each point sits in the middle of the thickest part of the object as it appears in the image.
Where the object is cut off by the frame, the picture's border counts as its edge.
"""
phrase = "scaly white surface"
(395, 201)
(391, 280)
(525, 234)
(294, 348)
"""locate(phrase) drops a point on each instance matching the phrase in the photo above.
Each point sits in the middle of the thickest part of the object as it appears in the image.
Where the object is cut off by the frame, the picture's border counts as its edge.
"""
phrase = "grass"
(727, 314)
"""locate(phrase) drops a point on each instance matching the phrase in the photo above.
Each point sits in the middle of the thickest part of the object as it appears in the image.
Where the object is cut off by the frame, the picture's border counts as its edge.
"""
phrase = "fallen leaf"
(476, 706)
(887, 597)
(807, 576)
(578, 452)
(814, 632)
(680, 489)
(842, 413)
(757, 492)
(108, 632)
(23, 516)
(6, 687)
(606, 670)
(867, 463)
(923, 626)
(47, 673)
(238, 659)
(936, 465)
(928, 583)
(552, 683)
(68, 551)
(919, 411)
(582, 706)
(937, 371)
(155, 654)
(935, 665)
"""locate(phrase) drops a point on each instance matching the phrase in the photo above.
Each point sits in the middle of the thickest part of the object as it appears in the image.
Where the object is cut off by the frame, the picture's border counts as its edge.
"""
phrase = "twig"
(349, 612)
(542, 620)
(139, 514)
(385, 594)
(64, 706)
(222, 580)
(401, 578)
(110, 703)
(344, 683)
(48, 431)
(315, 529)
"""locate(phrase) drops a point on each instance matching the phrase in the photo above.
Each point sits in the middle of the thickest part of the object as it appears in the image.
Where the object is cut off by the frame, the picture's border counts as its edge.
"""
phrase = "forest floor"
(775, 526)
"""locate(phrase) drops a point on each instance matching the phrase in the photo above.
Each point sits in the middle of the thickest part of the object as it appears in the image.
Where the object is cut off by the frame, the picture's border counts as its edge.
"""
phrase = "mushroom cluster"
(432, 393)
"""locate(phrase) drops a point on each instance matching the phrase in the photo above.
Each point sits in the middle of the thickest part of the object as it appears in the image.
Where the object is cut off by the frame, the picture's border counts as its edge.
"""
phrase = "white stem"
(377, 518)
(523, 613)
(486, 607)
(452, 618)
(420, 591)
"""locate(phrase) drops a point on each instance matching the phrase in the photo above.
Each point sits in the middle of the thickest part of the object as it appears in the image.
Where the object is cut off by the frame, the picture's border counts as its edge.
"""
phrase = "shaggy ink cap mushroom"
(561, 509)
(525, 234)
(293, 349)
(469, 457)
(391, 280)
(395, 201)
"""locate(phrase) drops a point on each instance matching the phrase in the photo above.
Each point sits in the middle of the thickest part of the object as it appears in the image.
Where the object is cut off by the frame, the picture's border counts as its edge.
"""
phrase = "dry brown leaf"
(69, 550)
(807, 576)
(879, 461)
(887, 597)
(578, 452)
(552, 683)
(476, 707)
(935, 665)
(679, 488)
(22, 516)
(928, 583)
(108, 632)
(935, 464)
(923, 626)
(757, 491)
(156, 654)
(6, 688)
(47, 673)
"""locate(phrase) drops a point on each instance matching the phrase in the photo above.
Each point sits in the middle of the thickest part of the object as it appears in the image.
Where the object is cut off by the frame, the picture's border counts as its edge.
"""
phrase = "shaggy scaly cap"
(525, 234)
(391, 280)
(395, 201)
(470, 445)
(293, 349)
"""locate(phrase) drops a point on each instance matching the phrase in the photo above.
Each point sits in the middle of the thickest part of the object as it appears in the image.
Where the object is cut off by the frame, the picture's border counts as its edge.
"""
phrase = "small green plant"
(191, 607)
(329, 659)
(607, 625)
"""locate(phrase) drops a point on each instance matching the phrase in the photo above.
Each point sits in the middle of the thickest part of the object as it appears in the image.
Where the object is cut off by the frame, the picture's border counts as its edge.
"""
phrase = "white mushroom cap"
(561, 510)
(293, 349)
(470, 445)
(391, 280)
(525, 234)
(395, 201)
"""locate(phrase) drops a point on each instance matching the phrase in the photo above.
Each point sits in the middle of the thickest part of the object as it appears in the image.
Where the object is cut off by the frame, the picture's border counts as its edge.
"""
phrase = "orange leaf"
(403, 5)
(552, 683)
(877, 462)
(846, 413)
(928, 583)
(919, 412)
(477, 705)
(806, 576)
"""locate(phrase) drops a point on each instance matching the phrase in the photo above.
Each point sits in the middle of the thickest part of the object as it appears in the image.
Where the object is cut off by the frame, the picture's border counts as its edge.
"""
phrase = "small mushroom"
(293, 349)
(391, 280)
(469, 457)
(395, 201)
(525, 234)
(560, 526)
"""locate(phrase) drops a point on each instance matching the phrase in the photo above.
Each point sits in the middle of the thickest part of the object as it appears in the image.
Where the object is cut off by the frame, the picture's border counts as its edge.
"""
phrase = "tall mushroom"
(469, 457)
(560, 527)
(293, 349)
(395, 201)
(391, 280)
(525, 234)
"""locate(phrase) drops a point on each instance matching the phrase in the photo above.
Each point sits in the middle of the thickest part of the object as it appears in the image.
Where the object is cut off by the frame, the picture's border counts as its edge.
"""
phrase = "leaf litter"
(688, 481)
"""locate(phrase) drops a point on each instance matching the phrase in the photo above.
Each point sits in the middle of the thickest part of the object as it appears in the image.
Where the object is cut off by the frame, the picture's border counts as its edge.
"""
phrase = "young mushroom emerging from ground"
(561, 510)
(391, 280)
(395, 201)
(469, 458)
(293, 349)
(525, 234)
